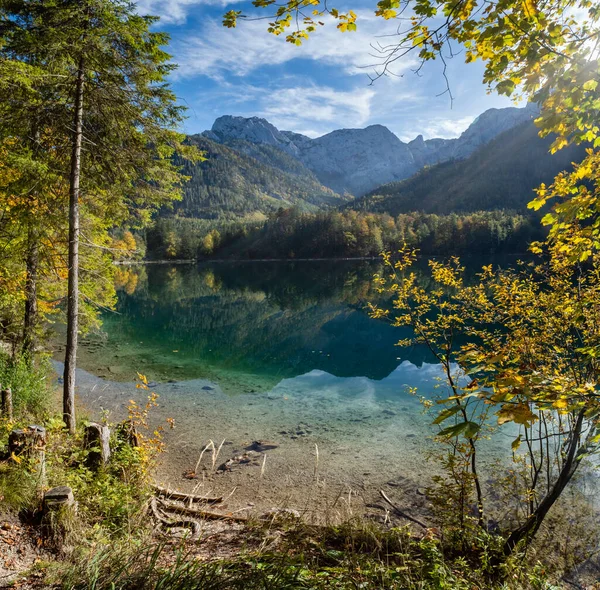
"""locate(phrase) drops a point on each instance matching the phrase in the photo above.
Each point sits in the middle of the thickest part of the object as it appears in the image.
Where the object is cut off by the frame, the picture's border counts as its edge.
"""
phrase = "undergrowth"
(356, 555)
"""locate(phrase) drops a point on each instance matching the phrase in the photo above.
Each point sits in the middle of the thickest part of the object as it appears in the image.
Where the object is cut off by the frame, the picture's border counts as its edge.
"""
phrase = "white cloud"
(215, 50)
(175, 11)
(292, 108)
(295, 104)
(436, 127)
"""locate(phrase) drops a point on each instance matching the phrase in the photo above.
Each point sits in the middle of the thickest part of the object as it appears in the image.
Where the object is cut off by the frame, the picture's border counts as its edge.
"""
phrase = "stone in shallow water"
(260, 446)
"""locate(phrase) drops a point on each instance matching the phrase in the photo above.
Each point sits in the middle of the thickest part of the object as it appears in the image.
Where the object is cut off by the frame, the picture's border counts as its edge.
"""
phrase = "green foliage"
(30, 385)
(292, 234)
(130, 117)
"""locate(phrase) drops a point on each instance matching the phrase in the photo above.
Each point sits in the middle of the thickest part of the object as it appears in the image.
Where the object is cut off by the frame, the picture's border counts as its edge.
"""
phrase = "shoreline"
(322, 259)
(202, 260)
(327, 460)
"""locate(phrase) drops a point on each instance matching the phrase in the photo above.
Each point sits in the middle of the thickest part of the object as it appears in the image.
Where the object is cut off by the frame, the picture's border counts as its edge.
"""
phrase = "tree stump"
(58, 516)
(27, 442)
(7, 403)
(97, 441)
(127, 432)
(59, 497)
(30, 444)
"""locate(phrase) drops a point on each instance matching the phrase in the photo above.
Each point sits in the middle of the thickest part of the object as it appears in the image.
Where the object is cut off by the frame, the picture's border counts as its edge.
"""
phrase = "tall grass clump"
(30, 385)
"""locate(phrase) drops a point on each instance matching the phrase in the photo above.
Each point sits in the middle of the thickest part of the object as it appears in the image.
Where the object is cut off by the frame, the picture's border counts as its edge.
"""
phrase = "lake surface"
(280, 351)
(259, 322)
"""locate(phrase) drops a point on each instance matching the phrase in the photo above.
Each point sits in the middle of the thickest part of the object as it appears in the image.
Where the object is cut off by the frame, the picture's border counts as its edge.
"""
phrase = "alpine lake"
(282, 354)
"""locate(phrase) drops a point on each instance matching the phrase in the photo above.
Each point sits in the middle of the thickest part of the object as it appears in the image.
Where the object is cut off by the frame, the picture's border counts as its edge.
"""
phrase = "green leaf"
(445, 414)
(469, 429)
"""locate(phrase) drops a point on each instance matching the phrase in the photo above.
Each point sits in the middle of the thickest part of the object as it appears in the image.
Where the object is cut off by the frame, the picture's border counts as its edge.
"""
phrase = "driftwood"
(203, 514)
(7, 403)
(400, 512)
(172, 523)
(97, 439)
(191, 498)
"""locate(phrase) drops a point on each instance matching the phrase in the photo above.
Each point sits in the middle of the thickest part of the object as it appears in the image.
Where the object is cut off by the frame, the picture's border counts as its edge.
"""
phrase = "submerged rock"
(260, 446)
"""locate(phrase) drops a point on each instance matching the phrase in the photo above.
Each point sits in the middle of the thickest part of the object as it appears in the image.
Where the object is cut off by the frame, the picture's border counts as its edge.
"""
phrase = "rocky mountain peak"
(253, 129)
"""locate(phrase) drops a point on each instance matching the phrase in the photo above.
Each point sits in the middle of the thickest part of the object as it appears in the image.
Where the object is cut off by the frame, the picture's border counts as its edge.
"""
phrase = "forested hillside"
(292, 234)
(499, 175)
(231, 183)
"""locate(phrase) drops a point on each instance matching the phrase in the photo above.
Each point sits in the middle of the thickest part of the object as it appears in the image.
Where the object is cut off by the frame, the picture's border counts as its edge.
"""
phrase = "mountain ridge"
(355, 161)
(502, 174)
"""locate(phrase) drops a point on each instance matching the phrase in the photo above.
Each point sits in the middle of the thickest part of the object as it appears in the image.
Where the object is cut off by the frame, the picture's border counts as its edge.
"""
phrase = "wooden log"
(97, 440)
(7, 403)
(174, 495)
(173, 523)
(203, 514)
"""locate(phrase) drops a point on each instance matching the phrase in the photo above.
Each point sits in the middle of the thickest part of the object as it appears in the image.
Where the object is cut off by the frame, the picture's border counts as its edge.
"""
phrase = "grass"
(32, 396)
(356, 555)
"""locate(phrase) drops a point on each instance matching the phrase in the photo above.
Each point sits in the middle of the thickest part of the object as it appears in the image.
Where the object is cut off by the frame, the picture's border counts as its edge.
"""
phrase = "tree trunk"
(31, 307)
(73, 287)
(530, 527)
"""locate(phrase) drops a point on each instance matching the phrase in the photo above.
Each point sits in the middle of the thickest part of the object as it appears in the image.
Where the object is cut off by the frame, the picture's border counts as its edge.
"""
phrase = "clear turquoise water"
(249, 325)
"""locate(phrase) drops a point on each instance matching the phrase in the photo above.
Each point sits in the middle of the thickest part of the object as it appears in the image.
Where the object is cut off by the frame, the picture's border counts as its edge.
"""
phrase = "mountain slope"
(500, 175)
(231, 183)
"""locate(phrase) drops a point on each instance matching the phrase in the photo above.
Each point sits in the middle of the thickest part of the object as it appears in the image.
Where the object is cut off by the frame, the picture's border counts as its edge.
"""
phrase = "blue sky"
(313, 89)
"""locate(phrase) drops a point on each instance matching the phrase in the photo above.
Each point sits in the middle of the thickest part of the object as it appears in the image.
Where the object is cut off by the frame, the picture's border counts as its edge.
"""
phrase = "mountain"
(247, 180)
(484, 128)
(356, 161)
(502, 174)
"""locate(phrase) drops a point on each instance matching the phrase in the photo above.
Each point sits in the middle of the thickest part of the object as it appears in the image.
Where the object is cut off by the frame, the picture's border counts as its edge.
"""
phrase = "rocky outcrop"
(357, 160)
(253, 129)
(484, 128)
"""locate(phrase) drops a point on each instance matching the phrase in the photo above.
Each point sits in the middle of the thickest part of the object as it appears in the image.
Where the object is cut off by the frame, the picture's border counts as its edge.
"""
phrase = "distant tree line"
(292, 233)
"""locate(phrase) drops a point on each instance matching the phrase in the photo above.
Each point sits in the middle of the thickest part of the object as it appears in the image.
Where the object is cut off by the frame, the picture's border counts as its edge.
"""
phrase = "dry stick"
(208, 446)
(185, 497)
(202, 513)
(216, 454)
(184, 523)
(400, 512)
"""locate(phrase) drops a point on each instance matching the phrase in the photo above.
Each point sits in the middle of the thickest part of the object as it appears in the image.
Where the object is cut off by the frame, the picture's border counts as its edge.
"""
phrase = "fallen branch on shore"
(203, 514)
(187, 523)
(401, 513)
(191, 498)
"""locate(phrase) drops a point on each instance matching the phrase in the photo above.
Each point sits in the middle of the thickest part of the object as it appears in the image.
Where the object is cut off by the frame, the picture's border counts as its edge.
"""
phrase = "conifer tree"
(113, 116)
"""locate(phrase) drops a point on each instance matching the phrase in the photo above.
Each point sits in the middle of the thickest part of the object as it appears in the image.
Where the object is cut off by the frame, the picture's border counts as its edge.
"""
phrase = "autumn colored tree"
(521, 344)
